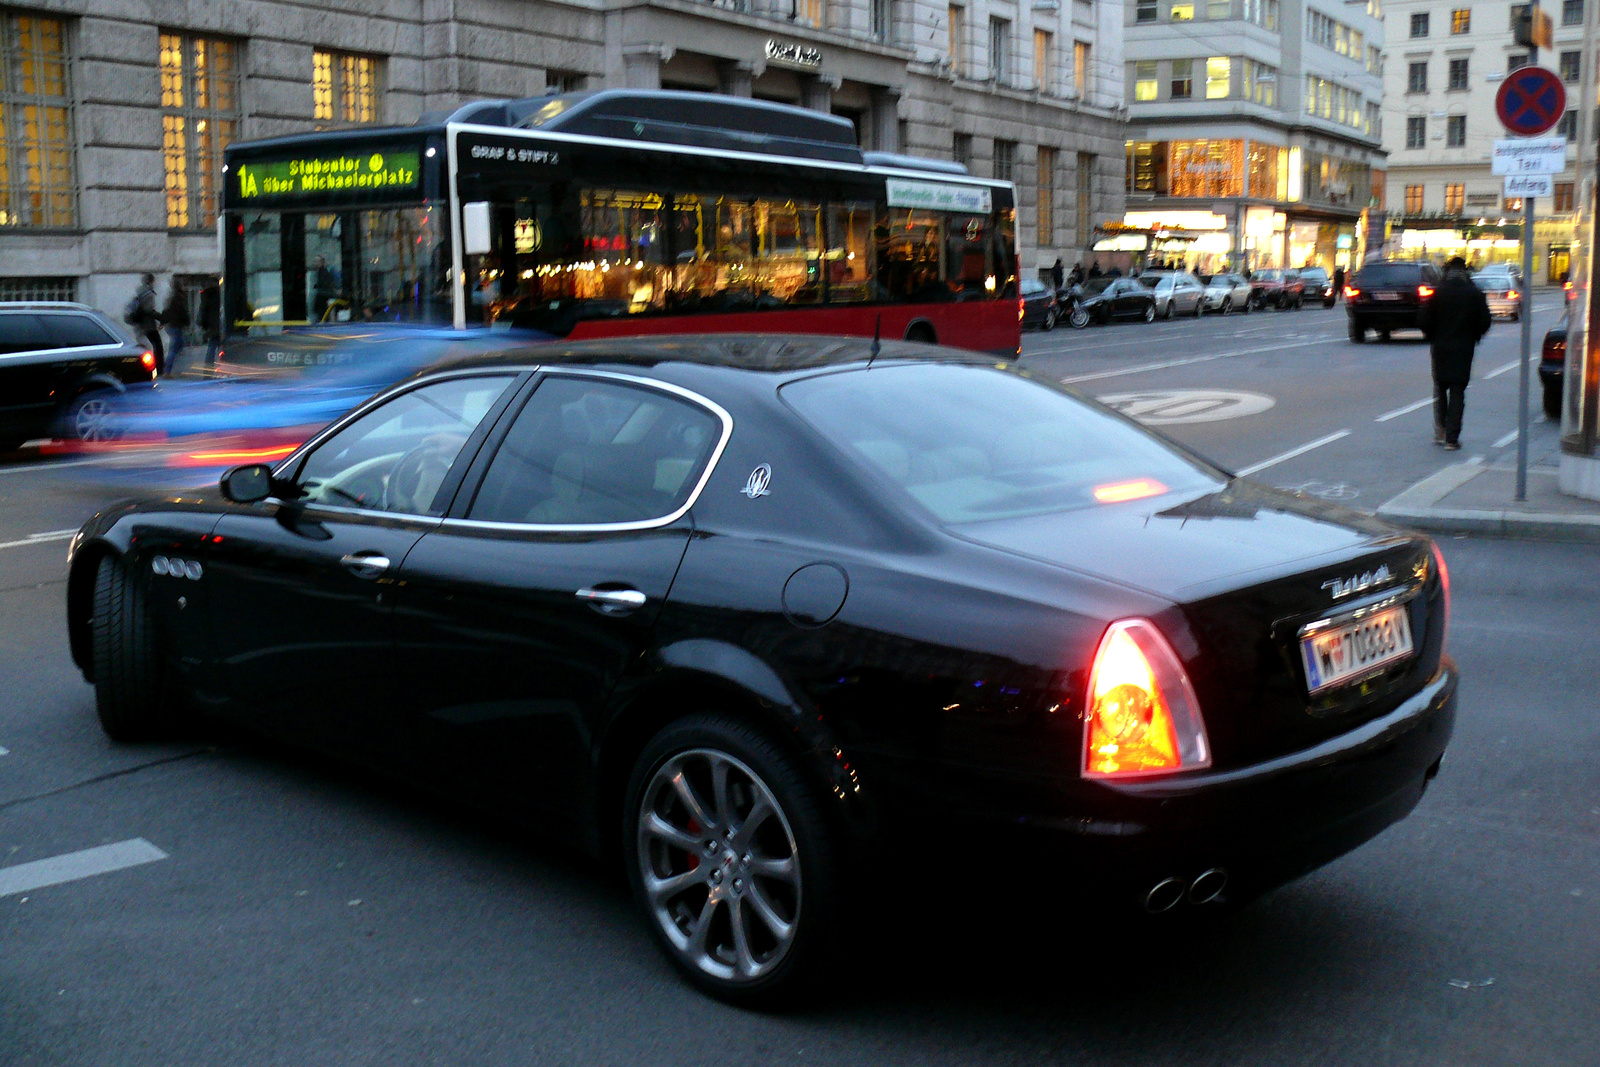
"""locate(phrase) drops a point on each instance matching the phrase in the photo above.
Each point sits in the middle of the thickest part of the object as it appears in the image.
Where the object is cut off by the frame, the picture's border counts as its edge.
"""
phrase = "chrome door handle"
(613, 601)
(365, 564)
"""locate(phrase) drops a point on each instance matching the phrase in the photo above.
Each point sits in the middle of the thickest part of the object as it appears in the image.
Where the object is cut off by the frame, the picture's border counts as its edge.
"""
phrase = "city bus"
(616, 212)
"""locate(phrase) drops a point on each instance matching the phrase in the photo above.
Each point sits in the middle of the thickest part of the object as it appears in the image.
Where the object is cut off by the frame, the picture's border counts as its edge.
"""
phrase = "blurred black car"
(740, 610)
(1102, 299)
(59, 364)
(1387, 295)
(1553, 367)
(1316, 285)
(1036, 305)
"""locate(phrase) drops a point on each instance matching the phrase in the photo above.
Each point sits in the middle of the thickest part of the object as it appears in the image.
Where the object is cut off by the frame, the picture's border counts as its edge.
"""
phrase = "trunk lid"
(1246, 569)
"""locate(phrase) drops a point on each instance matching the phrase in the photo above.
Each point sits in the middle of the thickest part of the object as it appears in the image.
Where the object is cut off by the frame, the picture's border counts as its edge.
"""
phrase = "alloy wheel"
(92, 421)
(719, 865)
(1078, 318)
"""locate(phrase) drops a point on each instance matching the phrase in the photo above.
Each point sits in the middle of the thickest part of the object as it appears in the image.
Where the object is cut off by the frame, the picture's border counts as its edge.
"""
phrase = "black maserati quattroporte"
(732, 609)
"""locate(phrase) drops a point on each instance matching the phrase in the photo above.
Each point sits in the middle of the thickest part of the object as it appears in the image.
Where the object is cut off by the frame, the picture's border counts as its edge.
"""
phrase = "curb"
(1416, 508)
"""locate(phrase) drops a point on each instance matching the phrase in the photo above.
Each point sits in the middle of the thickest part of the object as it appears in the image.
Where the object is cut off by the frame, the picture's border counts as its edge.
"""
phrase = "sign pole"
(1527, 348)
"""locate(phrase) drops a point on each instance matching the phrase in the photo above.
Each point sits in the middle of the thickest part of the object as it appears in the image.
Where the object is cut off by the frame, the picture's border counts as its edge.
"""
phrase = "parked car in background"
(1226, 292)
(1553, 366)
(1387, 295)
(1177, 292)
(1502, 287)
(1102, 300)
(1037, 305)
(1316, 285)
(59, 362)
(1281, 289)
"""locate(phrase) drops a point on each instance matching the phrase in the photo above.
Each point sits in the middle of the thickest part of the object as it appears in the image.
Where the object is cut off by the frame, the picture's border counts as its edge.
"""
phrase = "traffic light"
(1532, 27)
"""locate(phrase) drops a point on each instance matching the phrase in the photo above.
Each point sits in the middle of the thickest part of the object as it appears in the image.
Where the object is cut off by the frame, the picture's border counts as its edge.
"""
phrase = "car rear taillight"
(1141, 714)
(1511, 294)
(1444, 585)
(148, 358)
(1351, 292)
(1424, 291)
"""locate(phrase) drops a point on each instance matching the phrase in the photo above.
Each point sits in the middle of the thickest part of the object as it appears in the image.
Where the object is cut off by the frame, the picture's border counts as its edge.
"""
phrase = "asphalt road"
(303, 913)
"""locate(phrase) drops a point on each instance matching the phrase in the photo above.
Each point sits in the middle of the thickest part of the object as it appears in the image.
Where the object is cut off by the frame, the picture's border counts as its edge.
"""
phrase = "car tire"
(90, 418)
(1516, 316)
(1049, 320)
(1358, 334)
(1552, 401)
(771, 904)
(1199, 309)
(1078, 317)
(127, 666)
(1150, 313)
(1227, 305)
(1166, 312)
(11, 444)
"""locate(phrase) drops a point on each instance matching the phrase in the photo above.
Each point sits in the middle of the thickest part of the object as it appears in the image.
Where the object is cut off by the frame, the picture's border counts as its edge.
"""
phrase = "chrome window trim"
(294, 458)
(641, 524)
(68, 350)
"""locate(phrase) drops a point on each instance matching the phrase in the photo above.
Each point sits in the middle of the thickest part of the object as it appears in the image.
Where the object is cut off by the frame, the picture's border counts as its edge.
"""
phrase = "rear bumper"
(1263, 824)
(1376, 317)
(1552, 375)
(1499, 305)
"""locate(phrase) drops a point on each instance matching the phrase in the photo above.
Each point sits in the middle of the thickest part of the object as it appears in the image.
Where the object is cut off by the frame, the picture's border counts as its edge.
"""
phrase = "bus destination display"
(358, 173)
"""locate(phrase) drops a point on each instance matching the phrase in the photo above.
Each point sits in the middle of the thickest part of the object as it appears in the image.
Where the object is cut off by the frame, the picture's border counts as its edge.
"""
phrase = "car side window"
(77, 331)
(585, 451)
(396, 456)
(23, 333)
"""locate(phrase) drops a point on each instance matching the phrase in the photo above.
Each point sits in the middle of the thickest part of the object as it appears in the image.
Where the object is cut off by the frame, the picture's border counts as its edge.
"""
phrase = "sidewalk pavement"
(1478, 498)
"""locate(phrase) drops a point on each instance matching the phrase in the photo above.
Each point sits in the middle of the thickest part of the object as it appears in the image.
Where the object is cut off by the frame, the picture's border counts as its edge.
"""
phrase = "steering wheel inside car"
(416, 478)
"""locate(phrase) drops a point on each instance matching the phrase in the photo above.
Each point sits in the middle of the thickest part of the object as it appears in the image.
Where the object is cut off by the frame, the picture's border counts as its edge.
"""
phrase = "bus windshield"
(367, 265)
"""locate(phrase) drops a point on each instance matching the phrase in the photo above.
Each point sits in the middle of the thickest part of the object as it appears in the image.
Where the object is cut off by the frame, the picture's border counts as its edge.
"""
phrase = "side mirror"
(249, 484)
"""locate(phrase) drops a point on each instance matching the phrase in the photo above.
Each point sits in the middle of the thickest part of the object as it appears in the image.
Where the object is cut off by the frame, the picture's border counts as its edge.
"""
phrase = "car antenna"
(877, 346)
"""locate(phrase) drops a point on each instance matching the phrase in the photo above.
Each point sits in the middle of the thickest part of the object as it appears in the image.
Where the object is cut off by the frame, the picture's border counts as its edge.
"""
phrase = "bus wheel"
(922, 332)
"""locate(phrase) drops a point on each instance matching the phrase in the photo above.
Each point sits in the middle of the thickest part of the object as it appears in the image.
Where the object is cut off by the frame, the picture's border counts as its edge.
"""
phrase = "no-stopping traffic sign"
(1530, 101)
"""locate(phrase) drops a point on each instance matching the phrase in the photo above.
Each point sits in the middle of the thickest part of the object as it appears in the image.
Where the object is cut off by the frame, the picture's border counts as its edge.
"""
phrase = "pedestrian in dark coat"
(175, 318)
(143, 315)
(1455, 318)
(1338, 282)
(1058, 275)
(211, 320)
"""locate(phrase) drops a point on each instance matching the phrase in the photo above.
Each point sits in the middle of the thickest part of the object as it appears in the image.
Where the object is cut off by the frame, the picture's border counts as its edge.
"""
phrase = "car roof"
(46, 305)
(784, 356)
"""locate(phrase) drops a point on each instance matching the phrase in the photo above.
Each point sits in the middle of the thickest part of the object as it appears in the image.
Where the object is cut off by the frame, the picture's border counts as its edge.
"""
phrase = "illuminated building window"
(1219, 76)
(1455, 198)
(1413, 200)
(344, 87)
(1145, 84)
(200, 115)
(38, 181)
(1182, 79)
(1461, 20)
(1047, 196)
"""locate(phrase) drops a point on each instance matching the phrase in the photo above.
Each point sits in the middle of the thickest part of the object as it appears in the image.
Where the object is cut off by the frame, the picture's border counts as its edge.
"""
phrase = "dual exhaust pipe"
(1168, 893)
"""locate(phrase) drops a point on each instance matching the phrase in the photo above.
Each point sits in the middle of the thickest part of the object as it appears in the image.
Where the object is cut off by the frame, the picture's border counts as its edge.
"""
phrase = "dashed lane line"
(1513, 365)
(45, 468)
(1506, 440)
(1408, 409)
(40, 538)
(71, 866)
(1164, 364)
(1245, 472)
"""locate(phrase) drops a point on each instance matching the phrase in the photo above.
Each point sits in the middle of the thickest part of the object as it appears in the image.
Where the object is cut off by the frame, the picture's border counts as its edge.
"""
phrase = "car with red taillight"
(1387, 295)
(1553, 367)
(60, 363)
(1501, 284)
(740, 613)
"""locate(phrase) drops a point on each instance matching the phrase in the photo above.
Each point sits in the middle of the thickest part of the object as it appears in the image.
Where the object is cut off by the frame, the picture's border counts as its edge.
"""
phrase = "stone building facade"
(113, 113)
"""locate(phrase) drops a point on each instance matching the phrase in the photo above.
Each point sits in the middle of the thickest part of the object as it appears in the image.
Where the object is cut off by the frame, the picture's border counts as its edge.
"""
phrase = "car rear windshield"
(1390, 274)
(1268, 275)
(976, 443)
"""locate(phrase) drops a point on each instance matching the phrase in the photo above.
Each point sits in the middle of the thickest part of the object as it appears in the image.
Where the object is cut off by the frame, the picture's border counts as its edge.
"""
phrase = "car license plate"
(1386, 296)
(1343, 651)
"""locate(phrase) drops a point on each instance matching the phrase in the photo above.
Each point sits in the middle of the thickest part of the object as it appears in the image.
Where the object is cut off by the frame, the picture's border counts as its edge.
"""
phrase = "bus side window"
(911, 255)
(788, 248)
(968, 241)
(851, 255)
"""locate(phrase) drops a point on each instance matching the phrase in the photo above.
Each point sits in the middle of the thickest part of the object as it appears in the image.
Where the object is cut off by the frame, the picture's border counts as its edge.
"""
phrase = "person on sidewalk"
(142, 314)
(1454, 319)
(175, 319)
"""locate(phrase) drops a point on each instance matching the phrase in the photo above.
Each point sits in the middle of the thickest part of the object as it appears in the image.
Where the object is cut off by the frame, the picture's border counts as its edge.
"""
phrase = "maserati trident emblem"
(760, 478)
(1357, 583)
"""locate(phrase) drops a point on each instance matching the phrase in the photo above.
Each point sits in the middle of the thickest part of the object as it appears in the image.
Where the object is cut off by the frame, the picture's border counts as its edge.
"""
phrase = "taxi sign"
(1529, 155)
(1530, 101)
